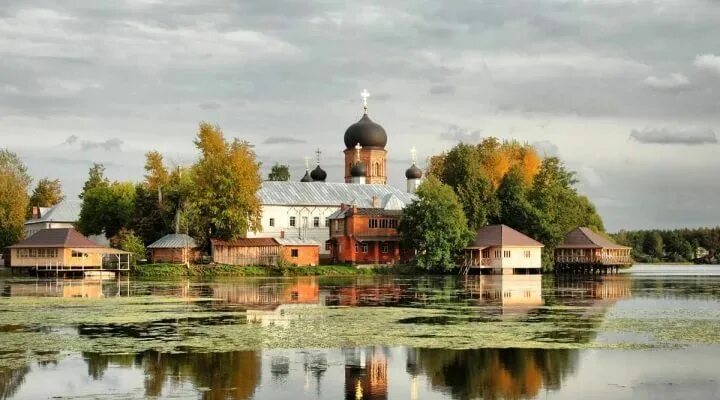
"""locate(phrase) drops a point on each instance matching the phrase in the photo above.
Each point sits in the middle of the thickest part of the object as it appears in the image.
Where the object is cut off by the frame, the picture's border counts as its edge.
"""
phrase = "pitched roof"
(297, 242)
(586, 238)
(501, 235)
(245, 242)
(174, 241)
(331, 194)
(65, 211)
(63, 238)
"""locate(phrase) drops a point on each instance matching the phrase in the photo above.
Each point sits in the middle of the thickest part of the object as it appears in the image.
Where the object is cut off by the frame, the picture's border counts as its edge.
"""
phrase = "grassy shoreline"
(207, 271)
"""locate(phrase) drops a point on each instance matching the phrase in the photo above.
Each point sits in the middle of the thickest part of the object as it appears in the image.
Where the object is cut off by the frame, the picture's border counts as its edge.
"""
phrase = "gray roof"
(297, 242)
(65, 211)
(174, 241)
(329, 194)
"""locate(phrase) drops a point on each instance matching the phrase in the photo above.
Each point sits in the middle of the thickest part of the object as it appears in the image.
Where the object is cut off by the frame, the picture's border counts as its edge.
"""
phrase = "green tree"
(279, 172)
(151, 220)
(47, 193)
(96, 178)
(156, 174)
(127, 240)
(14, 182)
(515, 209)
(226, 181)
(107, 209)
(653, 245)
(435, 226)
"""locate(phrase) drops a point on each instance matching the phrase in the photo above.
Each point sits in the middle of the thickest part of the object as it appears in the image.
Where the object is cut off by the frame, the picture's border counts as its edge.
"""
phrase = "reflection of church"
(301, 210)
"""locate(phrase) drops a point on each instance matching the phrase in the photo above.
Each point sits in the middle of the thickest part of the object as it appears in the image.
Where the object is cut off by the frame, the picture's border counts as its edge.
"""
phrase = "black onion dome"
(318, 174)
(367, 133)
(306, 178)
(413, 172)
(358, 170)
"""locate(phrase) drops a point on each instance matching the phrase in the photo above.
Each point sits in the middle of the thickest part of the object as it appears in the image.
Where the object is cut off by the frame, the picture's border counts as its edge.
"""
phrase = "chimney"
(35, 212)
(282, 234)
(375, 202)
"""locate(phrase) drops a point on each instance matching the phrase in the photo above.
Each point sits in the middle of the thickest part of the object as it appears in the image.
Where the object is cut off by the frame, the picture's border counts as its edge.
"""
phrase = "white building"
(301, 209)
(63, 215)
(501, 249)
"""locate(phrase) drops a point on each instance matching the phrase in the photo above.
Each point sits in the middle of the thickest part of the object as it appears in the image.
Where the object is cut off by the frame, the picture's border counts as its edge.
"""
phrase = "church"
(302, 210)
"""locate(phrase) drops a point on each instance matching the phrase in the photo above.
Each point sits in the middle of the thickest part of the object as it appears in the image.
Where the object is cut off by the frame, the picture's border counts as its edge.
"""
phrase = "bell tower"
(365, 143)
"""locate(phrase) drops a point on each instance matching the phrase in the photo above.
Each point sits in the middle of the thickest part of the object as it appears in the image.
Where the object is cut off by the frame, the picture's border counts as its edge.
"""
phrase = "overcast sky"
(627, 93)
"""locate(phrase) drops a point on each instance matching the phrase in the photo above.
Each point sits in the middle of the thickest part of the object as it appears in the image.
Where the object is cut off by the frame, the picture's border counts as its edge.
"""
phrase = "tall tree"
(14, 181)
(279, 172)
(226, 181)
(435, 226)
(47, 193)
(107, 209)
(96, 178)
(156, 174)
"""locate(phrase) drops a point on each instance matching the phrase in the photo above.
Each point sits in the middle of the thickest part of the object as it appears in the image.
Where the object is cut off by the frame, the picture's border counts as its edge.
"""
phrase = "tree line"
(700, 245)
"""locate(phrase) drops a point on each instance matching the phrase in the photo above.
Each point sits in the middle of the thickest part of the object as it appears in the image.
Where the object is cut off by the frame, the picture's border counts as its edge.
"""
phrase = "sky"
(627, 93)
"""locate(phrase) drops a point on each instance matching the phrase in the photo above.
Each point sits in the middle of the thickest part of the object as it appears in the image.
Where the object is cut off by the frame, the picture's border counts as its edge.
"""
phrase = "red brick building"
(366, 236)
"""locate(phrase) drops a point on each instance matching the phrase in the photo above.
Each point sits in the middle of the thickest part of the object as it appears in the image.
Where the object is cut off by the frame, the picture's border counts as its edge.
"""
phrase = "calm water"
(652, 333)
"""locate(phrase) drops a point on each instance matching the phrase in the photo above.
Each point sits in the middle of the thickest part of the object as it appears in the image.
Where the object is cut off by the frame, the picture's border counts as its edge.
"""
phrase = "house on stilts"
(586, 252)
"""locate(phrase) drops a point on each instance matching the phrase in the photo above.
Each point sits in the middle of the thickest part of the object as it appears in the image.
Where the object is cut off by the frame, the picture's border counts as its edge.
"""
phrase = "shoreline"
(206, 271)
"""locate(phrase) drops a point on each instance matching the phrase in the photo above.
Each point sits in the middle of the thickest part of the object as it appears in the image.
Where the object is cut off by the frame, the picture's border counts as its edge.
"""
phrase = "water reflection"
(69, 288)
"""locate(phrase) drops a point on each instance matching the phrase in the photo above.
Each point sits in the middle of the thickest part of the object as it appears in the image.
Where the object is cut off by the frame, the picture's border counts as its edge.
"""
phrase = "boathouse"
(65, 250)
(265, 252)
(585, 251)
(174, 248)
(501, 249)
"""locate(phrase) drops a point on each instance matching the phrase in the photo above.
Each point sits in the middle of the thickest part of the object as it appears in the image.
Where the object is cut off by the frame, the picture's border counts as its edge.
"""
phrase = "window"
(316, 222)
(305, 222)
(506, 254)
(327, 222)
(294, 253)
(272, 222)
(357, 247)
(373, 223)
(527, 253)
(292, 221)
(78, 254)
(486, 253)
(364, 247)
(384, 248)
(327, 245)
(497, 253)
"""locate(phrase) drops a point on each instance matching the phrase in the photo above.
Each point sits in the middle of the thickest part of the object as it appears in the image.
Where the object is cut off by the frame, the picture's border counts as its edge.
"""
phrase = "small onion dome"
(306, 178)
(358, 170)
(367, 133)
(318, 174)
(413, 172)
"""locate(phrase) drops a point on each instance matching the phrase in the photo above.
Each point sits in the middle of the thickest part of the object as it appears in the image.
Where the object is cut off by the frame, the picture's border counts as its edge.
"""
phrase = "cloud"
(210, 105)
(442, 89)
(71, 140)
(107, 145)
(672, 82)
(674, 136)
(283, 140)
(708, 61)
(546, 148)
(455, 133)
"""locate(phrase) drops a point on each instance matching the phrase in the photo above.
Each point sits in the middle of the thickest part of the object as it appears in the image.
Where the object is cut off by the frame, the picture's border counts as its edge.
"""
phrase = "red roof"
(61, 238)
(501, 235)
(586, 238)
(245, 242)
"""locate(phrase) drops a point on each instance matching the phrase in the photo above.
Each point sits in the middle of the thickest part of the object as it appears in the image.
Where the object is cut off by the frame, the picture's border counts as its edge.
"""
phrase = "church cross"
(413, 153)
(318, 152)
(365, 96)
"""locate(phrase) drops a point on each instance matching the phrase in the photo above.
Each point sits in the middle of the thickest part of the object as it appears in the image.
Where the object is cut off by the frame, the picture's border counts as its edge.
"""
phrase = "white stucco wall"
(517, 257)
(282, 214)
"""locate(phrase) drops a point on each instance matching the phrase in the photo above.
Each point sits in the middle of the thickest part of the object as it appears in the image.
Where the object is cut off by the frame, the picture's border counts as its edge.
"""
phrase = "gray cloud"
(211, 105)
(107, 145)
(71, 140)
(673, 82)
(674, 136)
(283, 140)
(709, 62)
(455, 133)
(442, 89)
(546, 148)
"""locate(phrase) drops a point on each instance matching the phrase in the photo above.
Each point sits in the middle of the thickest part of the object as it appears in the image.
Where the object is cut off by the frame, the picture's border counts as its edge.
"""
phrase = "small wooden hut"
(174, 248)
(586, 251)
(246, 251)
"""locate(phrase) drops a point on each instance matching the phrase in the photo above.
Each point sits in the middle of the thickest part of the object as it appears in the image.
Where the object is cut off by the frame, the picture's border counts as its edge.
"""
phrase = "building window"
(292, 221)
(527, 253)
(357, 247)
(305, 222)
(272, 222)
(486, 253)
(506, 254)
(364, 247)
(77, 254)
(327, 222)
(327, 245)
(294, 253)
(316, 222)
(497, 253)
(373, 223)
(384, 248)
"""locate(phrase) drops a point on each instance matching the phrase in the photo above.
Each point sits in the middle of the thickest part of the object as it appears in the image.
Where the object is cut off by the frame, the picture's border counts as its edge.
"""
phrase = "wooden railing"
(604, 260)
(475, 262)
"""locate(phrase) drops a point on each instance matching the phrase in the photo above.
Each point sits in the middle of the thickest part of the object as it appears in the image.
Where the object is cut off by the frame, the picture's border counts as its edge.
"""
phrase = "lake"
(652, 332)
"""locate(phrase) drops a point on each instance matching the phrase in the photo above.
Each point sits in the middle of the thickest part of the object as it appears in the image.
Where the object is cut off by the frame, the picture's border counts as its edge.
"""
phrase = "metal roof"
(585, 238)
(297, 242)
(65, 211)
(330, 194)
(501, 235)
(245, 242)
(174, 241)
(62, 238)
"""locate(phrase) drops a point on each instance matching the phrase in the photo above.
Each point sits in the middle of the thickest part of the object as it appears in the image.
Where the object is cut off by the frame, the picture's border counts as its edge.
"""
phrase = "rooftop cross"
(365, 96)
(413, 154)
(318, 152)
